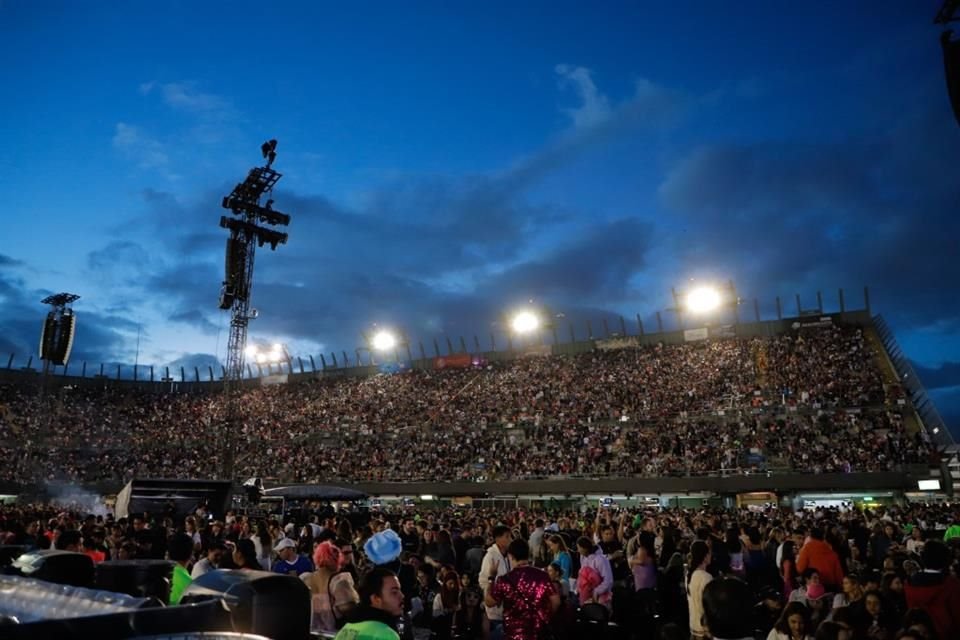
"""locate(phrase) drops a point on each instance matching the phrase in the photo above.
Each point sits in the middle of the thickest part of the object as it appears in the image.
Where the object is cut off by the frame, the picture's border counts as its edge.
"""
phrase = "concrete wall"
(826, 482)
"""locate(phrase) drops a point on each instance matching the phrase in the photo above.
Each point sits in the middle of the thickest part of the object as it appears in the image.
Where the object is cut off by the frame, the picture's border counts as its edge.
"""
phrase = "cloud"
(99, 337)
(596, 267)
(185, 96)
(139, 147)
(192, 361)
(872, 210)
(594, 106)
(432, 254)
(942, 376)
(7, 262)
(122, 254)
(595, 123)
(195, 318)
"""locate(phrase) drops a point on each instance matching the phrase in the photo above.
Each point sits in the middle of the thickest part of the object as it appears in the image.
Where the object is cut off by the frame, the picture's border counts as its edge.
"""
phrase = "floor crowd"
(888, 573)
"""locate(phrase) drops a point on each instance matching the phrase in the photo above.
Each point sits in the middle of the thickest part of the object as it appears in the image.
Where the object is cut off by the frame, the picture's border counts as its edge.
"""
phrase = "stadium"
(817, 413)
(724, 468)
(715, 414)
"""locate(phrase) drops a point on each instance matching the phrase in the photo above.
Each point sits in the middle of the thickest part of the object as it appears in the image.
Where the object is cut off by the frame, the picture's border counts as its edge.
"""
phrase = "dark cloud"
(99, 337)
(944, 375)
(192, 361)
(7, 261)
(576, 279)
(874, 211)
(597, 267)
(195, 318)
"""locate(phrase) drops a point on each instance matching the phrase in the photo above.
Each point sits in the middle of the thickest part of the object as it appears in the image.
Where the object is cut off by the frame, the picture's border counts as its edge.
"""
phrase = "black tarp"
(315, 492)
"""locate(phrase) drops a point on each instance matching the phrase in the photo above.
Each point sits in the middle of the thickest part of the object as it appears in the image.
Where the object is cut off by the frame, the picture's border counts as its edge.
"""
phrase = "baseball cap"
(285, 543)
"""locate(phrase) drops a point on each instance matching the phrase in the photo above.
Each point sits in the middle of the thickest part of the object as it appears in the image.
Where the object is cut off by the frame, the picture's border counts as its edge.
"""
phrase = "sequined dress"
(525, 593)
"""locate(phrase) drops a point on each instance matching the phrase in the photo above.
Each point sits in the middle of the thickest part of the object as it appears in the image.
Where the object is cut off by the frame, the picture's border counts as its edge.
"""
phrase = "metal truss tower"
(246, 234)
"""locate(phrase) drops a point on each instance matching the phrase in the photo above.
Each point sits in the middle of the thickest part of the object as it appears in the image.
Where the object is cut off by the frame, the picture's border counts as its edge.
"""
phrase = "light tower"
(56, 342)
(246, 234)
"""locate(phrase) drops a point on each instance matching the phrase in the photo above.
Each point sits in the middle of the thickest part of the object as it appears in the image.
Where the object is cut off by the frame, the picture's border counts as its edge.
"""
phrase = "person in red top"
(936, 591)
(90, 549)
(818, 553)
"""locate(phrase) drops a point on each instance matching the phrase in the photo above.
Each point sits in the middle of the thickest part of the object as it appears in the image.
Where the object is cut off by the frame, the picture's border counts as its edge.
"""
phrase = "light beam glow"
(525, 322)
(384, 341)
(703, 300)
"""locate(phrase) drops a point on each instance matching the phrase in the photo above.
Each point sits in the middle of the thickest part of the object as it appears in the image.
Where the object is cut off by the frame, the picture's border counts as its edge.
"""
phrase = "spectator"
(560, 555)
(728, 609)
(180, 550)
(380, 610)
(210, 561)
(495, 563)
(873, 620)
(245, 555)
(592, 557)
(819, 555)
(936, 591)
(698, 579)
(288, 560)
(333, 595)
(794, 624)
(525, 595)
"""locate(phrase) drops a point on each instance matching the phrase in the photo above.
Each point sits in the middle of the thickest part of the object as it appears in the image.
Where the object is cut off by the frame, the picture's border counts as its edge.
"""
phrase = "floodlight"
(928, 485)
(251, 351)
(525, 322)
(384, 341)
(703, 300)
(278, 347)
(261, 357)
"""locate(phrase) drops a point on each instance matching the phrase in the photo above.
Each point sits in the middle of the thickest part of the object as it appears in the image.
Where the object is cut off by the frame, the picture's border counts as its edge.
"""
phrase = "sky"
(445, 162)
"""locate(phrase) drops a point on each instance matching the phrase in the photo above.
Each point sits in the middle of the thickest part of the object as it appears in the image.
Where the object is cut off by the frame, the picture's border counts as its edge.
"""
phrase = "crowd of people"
(813, 400)
(887, 573)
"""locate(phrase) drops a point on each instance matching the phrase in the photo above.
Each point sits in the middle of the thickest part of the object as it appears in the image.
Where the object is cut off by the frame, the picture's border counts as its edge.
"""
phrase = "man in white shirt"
(496, 557)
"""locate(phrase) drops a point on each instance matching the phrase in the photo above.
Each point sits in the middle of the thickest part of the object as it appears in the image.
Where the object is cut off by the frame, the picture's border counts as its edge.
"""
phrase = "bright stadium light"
(703, 300)
(525, 322)
(384, 341)
(251, 351)
(276, 353)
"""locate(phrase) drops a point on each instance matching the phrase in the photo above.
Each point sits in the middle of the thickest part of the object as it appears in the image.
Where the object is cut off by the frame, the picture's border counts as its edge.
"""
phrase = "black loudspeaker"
(56, 339)
(138, 578)
(62, 567)
(270, 604)
(235, 267)
(48, 336)
(951, 66)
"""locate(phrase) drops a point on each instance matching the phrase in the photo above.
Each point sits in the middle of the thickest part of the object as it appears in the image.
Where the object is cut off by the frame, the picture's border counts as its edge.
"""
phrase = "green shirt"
(181, 580)
(367, 630)
(952, 532)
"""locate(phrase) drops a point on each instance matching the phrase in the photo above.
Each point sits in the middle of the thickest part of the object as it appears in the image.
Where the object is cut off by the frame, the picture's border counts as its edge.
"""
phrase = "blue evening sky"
(443, 161)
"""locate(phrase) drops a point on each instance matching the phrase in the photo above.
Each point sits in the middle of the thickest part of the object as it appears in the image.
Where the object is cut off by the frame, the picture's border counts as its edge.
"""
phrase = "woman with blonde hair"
(332, 593)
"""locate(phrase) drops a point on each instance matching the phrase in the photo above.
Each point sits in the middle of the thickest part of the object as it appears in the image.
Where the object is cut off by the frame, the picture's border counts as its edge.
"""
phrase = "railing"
(932, 422)
(554, 339)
